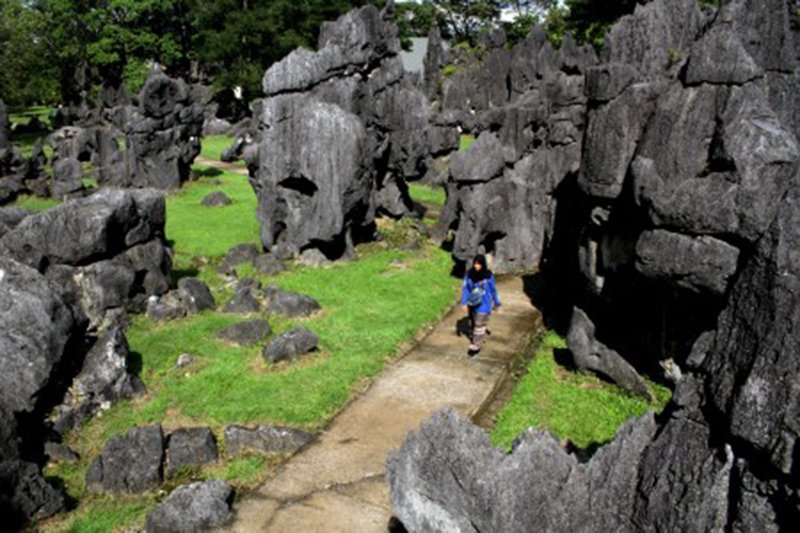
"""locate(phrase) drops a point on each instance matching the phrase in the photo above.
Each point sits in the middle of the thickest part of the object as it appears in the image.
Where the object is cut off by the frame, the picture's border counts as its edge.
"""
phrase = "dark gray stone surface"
(588, 353)
(198, 506)
(291, 345)
(129, 463)
(195, 295)
(672, 231)
(270, 439)
(216, 199)
(247, 332)
(189, 447)
(103, 253)
(266, 264)
(290, 304)
(105, 378)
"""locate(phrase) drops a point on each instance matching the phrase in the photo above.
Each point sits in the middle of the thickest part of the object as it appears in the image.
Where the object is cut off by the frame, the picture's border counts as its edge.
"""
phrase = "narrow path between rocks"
(220, 165)
(337, 483)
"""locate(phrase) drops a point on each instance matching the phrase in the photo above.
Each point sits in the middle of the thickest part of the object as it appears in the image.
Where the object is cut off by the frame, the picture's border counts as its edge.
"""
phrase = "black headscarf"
(483, 273)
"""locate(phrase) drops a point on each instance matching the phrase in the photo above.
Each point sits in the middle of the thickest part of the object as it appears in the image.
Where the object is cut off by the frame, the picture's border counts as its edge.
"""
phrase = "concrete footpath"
(337, 483)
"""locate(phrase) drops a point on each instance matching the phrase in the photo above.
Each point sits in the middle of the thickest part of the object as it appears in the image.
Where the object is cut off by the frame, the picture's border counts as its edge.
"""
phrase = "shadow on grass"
(208, 173)
(180, 273)
(134, 363)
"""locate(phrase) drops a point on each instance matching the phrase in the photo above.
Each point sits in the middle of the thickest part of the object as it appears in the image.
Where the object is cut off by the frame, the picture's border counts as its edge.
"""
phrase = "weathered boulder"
(189, 447)
(103, 253)
(247, 332)
(290, 304)
(167, 307)
(36, 327)
(240, 254)
(694, 263)
(198, 506)
(448, 477)
(154, 143)
(245, 297)
(195, 295)
(10, 217)
(266, 264)
(59, 452)
(590, 354)
(104, 379)
(129, 463)
(25, 494)
(271, 439)
(216, 199)
(306, 200)
(290, 345)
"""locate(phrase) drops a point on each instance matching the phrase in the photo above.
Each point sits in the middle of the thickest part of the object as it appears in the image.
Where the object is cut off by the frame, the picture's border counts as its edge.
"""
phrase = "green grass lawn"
(372, 306)
(199, 232)
(34, 203)
(214, 145)
(427, 194)
(578, 407)
(25, 115)
(467, 140)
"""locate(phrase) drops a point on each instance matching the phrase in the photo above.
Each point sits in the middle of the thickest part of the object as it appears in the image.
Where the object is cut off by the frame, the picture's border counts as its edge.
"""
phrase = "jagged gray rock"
(695, 263)
(270, 439)
(216, 199)
(448, 477)
(194, 507)
(129, 463)
(25, 494)
(189, 447)
(195, 295)
(266, 264)
(306, 199)
(247, 332)
(290, 304)
(103, 253)
(3, 125)
(590, 354)
(104, 379)
(675, 234)
(290, 345)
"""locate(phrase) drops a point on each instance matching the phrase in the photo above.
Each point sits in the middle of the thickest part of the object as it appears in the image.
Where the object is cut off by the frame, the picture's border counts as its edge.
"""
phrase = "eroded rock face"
(3, 125)
(270, 439)
(129, 463)
(338, 134)
(195, 507)
(103, 253)
(152, 144)
(680, 224)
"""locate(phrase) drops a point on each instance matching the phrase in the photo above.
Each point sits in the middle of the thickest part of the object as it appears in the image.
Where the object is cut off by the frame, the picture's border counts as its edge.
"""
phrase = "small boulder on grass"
(270, 439)
(290, 304)
(196, 295)
(268, 265)
(187, 447)
(194, 507)
(247, 332)
(291, 345)
(244, 297)
(216, 199)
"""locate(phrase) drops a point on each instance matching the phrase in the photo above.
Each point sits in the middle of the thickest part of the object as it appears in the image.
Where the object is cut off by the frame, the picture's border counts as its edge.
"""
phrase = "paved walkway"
(337, 484)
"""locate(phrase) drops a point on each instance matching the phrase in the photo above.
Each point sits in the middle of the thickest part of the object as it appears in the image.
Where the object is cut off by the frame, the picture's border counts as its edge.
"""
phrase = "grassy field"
(467, 140)
(578, 407)
(214, 145)
(427, 194)
(371, 306)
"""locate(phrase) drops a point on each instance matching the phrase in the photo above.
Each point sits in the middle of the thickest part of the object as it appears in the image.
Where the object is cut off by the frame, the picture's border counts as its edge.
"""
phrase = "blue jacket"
(489, 294)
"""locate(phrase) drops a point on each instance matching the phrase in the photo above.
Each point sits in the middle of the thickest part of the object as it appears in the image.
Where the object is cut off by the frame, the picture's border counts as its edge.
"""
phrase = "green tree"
(466, 19)
(27, 77)
(415, 19)
(236, 40)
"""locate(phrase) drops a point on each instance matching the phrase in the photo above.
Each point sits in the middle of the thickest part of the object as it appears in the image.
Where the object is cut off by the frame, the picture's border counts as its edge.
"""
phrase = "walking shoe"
(473, 350)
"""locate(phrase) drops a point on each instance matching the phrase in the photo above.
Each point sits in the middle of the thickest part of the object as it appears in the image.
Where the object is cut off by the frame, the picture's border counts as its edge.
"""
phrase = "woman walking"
(478, 298)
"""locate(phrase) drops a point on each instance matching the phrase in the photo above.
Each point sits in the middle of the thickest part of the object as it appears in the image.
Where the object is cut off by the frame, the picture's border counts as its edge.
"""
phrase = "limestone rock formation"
(103, 253)
(154, 143)
(129, 463)
(195, 507)
(337, 136)
(190, 447)
(104, 379)
(674, 240)
(291, 345)
(271, 439)
(290, 304)
(247, 332)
